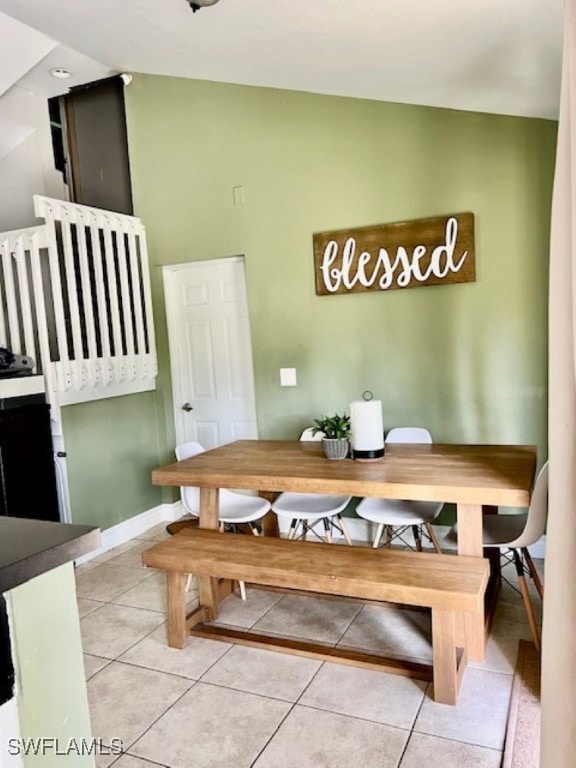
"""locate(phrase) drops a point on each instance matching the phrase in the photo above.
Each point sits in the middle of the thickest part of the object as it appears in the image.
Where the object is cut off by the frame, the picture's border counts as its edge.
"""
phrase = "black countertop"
(29, 548)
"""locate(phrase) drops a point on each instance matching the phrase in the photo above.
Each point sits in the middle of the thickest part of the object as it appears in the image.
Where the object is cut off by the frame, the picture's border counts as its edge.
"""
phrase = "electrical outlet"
(238, 195)
(288, 377)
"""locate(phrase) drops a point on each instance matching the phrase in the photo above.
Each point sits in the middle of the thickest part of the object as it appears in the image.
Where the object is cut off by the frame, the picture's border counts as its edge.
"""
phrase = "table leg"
(469, 518)
(471, 630)
(209, 518)
(270, 520)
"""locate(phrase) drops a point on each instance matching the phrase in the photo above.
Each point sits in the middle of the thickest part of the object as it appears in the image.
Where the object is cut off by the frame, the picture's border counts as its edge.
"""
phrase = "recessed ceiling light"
(61, 74)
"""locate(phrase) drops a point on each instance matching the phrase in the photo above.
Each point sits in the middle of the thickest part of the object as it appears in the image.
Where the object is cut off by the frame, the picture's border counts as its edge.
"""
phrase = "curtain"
(558, 742)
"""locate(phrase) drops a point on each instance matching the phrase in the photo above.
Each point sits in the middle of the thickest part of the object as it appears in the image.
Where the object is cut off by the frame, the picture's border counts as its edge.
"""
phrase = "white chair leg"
(345, 530)
(533, 572)
(378, 535)
(188, 582)
(242, 587)
(526, 600)
(433, 538)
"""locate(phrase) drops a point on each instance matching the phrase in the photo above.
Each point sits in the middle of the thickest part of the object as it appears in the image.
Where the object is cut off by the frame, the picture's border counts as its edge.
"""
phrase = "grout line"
(191, 680)
(356, 717)
(449, 741)
(226, 687)
(123, 592)
(142, 759)
(95, 656)
(152, 724)
(280, 724)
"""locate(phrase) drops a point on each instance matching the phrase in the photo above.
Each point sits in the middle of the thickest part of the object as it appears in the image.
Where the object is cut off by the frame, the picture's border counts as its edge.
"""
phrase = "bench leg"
(445, 663)
(471, 634)
(471, 629)
(176, 598)
(209, 518)
(209, 595)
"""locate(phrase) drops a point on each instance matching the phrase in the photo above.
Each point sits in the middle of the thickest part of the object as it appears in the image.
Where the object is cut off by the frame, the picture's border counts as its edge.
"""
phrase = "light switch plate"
(288, 377)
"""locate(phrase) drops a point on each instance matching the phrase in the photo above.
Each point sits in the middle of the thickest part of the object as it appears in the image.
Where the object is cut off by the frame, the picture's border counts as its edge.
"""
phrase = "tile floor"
(216, 705)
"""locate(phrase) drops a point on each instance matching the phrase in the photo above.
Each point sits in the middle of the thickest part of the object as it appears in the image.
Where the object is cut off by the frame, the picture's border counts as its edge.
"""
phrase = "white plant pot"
(335, 448)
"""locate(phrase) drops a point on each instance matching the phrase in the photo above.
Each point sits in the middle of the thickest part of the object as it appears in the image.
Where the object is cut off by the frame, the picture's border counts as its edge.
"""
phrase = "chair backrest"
(188, 450)
(309, 434)
(408, 435)
(537, 512)
(190, 495)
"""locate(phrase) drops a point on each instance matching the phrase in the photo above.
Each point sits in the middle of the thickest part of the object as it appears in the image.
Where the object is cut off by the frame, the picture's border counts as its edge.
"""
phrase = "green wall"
(468, 361)
(111, 446)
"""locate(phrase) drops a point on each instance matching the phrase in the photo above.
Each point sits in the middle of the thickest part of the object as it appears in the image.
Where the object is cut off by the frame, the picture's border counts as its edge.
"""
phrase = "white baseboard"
(133, 527)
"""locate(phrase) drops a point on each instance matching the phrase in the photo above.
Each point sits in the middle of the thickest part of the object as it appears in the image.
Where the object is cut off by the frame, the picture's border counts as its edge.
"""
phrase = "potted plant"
(335, 435)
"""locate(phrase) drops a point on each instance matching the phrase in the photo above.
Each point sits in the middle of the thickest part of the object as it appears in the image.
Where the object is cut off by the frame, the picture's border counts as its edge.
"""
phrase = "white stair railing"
(18, 296)
(103, 331)
(75, 296)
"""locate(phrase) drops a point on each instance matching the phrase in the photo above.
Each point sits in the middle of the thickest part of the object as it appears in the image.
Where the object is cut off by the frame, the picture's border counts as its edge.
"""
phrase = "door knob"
(187, 407)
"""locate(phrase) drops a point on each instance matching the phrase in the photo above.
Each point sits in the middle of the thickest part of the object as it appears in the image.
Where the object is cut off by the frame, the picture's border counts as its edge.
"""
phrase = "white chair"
(310, 509)
(397, 516)
(512, 535)
(234, 508)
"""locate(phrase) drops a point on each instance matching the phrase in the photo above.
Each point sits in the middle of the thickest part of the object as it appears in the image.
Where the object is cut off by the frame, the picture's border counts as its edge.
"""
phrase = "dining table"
(479, 479)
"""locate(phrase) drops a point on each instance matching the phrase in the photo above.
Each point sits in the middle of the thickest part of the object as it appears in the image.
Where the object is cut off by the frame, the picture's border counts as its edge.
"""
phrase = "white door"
(210, 351)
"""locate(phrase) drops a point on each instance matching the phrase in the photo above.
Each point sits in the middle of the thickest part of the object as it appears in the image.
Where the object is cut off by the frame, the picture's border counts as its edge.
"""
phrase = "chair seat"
(497, 531)
(240, 508)
(308, 506)
(502, 530)
(397, 512)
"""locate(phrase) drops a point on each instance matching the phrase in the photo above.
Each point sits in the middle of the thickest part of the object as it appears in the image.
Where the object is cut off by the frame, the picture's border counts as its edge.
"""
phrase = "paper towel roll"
(367, 429)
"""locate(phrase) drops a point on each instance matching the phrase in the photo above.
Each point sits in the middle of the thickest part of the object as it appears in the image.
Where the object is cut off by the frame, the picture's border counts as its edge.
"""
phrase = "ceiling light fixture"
(195, 5)
(60, 73)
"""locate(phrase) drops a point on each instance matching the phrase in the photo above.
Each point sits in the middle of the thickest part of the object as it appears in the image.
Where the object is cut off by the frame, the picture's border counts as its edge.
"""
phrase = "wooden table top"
(500, 475)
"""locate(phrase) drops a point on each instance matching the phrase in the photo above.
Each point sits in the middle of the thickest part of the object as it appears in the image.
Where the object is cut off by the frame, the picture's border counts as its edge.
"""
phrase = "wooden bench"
(451, 586)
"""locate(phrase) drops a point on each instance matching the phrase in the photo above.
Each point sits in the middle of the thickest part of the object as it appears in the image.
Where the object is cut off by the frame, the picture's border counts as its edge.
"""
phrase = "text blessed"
(408, 254)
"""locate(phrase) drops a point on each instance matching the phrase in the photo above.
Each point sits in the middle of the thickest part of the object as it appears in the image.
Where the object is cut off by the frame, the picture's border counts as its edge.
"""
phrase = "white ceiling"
(500, 56)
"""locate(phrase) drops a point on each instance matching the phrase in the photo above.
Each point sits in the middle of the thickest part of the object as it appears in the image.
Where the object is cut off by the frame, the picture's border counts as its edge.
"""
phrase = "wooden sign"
(438, 251)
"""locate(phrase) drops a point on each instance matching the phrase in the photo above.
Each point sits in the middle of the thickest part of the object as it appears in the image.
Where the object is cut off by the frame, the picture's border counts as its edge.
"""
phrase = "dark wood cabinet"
(91, 144)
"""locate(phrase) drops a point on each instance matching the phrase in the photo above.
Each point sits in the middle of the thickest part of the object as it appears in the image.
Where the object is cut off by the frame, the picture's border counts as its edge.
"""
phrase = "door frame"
(169, 275)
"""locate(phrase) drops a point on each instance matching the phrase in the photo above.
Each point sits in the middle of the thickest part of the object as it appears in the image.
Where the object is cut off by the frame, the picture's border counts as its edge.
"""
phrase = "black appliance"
(27, 470)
